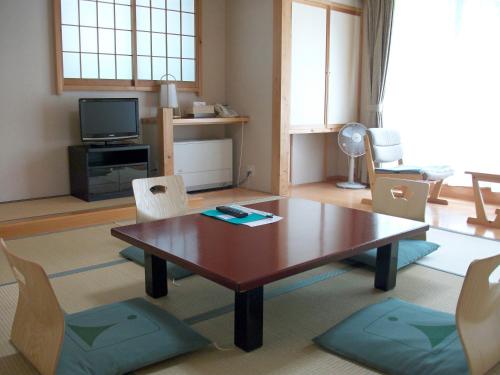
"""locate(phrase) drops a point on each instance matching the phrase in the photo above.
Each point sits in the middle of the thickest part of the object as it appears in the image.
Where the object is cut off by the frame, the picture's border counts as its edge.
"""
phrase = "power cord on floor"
(249, 173)
(221, 348)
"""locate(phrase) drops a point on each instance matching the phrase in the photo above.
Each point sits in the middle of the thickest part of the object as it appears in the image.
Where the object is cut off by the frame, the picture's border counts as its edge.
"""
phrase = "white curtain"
(443, 84)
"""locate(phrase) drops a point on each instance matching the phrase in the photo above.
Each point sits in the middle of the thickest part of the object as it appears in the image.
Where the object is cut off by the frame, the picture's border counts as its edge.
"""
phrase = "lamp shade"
(168, 94)
(172, 96)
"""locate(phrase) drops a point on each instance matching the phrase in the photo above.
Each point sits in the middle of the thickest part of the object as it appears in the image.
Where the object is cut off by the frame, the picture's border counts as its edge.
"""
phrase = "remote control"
(232, 211)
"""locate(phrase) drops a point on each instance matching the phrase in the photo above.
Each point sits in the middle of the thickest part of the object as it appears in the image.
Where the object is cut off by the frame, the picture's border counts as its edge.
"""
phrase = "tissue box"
(203, 110)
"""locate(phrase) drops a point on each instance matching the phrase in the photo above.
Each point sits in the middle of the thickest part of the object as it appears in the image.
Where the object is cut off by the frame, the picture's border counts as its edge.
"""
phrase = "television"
(109, 119)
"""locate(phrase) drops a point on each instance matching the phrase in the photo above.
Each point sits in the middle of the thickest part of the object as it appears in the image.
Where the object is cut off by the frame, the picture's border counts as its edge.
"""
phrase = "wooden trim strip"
(332, 129)
(60, 222)
(58, 46)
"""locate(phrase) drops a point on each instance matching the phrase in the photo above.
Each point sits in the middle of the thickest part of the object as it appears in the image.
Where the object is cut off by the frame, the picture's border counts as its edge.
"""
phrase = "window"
(442, 84)
(127, 44)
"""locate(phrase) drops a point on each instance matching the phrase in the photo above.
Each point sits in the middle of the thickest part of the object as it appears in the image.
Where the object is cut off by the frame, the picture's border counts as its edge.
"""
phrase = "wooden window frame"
(80, 84)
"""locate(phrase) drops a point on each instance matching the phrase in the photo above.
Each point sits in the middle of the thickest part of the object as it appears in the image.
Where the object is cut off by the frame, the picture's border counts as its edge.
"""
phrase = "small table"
(244, 259)
(481, 218)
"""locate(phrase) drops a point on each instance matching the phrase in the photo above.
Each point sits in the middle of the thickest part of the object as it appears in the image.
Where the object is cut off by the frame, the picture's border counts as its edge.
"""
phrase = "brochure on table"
(255, 218)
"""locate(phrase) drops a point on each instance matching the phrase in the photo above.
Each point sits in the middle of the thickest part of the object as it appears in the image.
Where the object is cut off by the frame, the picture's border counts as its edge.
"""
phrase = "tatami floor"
(87, 271)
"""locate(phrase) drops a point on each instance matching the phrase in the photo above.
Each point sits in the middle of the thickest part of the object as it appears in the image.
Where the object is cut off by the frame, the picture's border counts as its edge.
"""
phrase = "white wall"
(37, 126)
(249, 83)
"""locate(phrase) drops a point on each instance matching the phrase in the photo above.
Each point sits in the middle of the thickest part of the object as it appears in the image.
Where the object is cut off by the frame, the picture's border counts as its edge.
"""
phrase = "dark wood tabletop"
(243, 258)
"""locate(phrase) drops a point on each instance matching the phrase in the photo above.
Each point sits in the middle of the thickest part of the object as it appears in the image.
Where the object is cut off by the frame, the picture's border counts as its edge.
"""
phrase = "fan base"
(350, 185)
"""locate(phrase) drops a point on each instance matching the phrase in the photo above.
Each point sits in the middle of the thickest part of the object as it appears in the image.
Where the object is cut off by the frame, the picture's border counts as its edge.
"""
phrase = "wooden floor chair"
(40, 330)
(406, 199)
(478, 315)
(401, 198)
(384, 146)
(159, 198)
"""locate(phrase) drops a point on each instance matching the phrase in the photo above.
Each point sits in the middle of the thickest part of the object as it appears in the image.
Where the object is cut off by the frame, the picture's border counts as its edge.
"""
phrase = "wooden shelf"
(201, 121)
(334, 129)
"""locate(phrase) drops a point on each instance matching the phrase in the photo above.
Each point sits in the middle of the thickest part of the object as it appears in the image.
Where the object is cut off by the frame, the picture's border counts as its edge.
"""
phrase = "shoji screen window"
(96, 39)
(126, 44)
(166, 39)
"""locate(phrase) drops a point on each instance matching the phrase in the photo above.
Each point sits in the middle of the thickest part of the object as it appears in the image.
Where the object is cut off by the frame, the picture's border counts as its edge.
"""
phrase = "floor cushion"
(136, 255)
(123, 337)
(409, 252)
(397, 337)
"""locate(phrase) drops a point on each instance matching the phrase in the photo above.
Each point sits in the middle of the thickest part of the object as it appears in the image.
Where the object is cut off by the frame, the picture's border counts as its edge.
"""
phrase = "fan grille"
(351, 139)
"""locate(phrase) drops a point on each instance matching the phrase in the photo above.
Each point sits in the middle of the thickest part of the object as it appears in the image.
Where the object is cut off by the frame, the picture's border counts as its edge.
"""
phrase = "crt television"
(109, 119)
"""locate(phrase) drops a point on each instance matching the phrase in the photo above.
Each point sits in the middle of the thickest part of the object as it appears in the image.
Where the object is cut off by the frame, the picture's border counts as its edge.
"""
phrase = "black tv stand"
(106, 171)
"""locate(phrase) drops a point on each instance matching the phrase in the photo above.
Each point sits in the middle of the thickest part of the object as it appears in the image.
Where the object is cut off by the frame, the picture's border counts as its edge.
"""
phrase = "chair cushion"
(123, 337)
(405, 169)
(136, 255)
(397, 337)
(437, 172)
(386, 145)
(409, 252)
(430, 173)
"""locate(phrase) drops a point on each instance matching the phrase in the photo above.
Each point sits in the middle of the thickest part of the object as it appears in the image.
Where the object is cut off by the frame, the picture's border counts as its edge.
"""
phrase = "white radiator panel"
(204, 164)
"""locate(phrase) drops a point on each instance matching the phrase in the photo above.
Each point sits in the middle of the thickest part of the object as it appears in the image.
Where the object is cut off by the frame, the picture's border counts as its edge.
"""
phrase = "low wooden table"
(481, 218)
(244, 259)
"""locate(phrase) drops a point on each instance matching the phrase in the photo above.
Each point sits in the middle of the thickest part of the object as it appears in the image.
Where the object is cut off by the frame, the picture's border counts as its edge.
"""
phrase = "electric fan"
(351, 141)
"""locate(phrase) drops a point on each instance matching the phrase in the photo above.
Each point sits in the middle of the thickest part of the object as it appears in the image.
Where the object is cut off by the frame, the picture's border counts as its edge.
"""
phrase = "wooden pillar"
(166, 141)
(281, 96)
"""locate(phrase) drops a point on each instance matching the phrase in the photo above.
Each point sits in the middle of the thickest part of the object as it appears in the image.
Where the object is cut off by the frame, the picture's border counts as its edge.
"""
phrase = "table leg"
(386, 269)
(248, 319)
(156, 276)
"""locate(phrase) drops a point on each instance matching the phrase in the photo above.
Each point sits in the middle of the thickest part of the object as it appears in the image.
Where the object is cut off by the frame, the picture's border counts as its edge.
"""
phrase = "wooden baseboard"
(73, 220)
(59, 222)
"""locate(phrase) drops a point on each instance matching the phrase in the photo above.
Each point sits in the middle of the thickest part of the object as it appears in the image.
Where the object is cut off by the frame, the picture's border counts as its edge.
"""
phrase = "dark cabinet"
(106, 172)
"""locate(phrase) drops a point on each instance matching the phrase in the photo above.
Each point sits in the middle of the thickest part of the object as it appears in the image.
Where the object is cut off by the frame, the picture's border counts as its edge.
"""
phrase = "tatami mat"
(301, 307)
(63, 251)
(291, 319)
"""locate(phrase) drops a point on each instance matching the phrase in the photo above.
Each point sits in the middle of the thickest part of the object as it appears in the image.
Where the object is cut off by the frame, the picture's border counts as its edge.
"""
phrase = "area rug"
(457, 251)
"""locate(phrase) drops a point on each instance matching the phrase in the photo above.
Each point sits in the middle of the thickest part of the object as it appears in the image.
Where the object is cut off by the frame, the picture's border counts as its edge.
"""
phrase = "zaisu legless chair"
(384, 146)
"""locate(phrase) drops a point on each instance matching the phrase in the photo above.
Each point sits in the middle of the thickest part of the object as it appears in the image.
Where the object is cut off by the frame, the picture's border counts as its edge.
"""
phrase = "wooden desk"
(244, 259)
(481, 218)
(166, 122)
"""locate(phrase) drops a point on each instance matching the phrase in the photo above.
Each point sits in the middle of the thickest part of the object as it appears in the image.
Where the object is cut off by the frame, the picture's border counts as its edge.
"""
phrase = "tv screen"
(109, 119)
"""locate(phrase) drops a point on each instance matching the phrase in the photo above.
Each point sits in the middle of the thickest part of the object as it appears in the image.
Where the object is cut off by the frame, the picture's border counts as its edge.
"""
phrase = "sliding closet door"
(343, 85)
(309, 33)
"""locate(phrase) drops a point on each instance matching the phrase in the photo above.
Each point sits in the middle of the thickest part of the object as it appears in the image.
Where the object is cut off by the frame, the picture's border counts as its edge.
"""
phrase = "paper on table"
(257, 223)
(270, 220)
